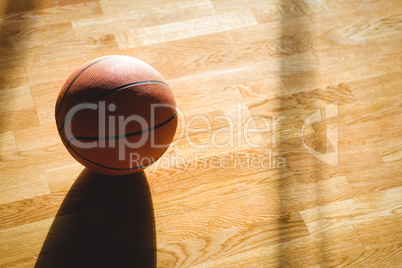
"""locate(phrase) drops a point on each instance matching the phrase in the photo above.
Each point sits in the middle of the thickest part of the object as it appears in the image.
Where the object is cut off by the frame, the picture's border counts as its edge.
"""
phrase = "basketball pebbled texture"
(121, 87)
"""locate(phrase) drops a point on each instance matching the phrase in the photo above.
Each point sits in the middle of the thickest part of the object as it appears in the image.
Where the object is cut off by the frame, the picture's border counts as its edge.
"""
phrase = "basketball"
(116, 115)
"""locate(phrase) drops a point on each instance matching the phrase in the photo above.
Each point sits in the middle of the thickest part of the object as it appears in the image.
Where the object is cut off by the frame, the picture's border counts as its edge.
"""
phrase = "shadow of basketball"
(104, 221)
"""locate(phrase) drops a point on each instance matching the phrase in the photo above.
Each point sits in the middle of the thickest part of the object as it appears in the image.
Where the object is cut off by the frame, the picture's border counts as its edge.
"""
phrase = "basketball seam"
(76, 77)
(112, 167)
(148, 82)
(126, 135)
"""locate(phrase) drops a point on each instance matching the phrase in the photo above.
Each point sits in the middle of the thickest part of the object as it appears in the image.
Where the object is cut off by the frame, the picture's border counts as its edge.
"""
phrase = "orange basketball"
(116, 115)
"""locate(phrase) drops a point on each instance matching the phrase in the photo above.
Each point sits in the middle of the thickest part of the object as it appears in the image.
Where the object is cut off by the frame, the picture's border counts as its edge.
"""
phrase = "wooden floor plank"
(287, 151)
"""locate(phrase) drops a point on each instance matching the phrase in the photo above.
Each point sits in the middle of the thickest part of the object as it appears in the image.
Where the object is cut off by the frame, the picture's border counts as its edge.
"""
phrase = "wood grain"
(220, 196)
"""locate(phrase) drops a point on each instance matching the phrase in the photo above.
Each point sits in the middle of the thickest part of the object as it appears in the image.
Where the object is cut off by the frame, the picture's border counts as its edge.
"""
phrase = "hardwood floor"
(288, 152)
